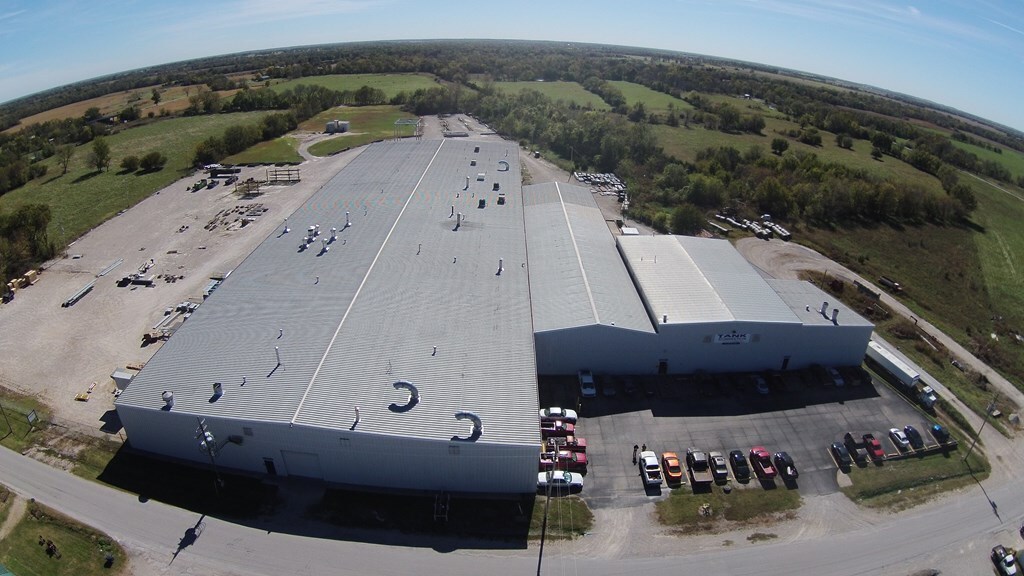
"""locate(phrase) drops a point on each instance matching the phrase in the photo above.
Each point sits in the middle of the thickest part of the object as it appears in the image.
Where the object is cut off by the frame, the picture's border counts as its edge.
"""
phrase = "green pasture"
(653, 100)
(367, 124)
(565, 91)
(1011, 159)
(283, 149)
(84, 198)
(391, 84)
(685, 142)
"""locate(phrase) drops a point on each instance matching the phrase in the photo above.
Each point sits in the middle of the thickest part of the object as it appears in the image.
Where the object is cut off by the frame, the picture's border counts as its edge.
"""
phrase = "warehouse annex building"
(392, 335)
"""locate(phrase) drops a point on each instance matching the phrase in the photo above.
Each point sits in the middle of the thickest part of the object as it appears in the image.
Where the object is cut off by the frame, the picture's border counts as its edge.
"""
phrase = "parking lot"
(800, 415)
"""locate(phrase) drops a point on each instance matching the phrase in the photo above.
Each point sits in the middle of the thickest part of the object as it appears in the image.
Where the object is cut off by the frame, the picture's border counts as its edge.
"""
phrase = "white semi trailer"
(906, 375)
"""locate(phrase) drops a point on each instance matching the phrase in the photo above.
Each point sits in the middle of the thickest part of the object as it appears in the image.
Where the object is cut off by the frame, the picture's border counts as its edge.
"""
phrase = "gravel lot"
(57, 353)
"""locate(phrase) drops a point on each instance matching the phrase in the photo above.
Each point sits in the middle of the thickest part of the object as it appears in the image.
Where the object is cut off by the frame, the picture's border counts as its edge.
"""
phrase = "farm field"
(83, 198)
(566, 91)
(653, 100)
(391, 84)
(172, 99)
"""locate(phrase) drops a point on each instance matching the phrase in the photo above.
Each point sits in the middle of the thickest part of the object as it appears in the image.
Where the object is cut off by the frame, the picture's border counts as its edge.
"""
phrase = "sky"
(968, 54)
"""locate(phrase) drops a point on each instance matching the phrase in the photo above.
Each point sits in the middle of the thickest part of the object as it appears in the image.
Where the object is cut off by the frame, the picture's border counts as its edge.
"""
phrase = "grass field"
(565, 91)
(1013, 160)
(681, 510)
(901, 484)
(391, 84)
(82, 550)
(367, 124)
(83, 198)
(172, 99)
(283, 149)
(654, 101)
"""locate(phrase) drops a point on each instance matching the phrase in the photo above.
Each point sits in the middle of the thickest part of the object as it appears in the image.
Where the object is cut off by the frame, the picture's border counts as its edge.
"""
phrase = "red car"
(570, 443)
(874, 447)
(556, 429)
(761, 461)
(563, 460)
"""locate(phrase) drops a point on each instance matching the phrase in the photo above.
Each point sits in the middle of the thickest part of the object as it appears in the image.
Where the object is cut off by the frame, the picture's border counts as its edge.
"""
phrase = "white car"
(718, 467)
(559, 481)
(899, 438)
(587, 387)
(836, 377)
(555, 413)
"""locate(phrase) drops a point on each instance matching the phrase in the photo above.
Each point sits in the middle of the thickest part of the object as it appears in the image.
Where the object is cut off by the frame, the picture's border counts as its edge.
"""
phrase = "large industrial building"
(406, 314)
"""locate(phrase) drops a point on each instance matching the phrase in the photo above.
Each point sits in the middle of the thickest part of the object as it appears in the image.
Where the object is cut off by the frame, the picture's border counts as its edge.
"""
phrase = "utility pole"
(208, 444)
(988, 410)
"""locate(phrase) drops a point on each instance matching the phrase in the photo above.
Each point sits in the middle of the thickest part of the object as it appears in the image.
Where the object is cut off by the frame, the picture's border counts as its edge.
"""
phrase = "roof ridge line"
(362, 283)
(579, 259)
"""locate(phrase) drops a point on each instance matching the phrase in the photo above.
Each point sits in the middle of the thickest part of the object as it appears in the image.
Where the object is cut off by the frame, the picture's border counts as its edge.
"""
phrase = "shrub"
(153, 161)
(130, 163)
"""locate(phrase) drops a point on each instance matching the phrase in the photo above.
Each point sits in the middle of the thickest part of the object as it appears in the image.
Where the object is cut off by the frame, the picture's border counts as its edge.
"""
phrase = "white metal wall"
(341, 457)
(688, 348)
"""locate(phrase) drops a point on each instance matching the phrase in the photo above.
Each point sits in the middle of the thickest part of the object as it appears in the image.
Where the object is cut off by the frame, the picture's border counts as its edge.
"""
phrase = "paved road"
(958, 533)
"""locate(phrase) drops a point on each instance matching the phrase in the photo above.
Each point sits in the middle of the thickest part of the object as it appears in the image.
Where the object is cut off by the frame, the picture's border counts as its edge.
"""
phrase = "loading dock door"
(304, 464)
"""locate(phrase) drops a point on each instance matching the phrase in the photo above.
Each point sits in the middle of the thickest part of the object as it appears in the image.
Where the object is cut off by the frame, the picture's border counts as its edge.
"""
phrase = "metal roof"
(349, 322)
(577, 277)
(805, 300)
(690, 280)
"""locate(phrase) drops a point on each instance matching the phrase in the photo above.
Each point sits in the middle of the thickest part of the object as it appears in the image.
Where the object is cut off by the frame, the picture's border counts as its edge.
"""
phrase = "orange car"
(673, 470)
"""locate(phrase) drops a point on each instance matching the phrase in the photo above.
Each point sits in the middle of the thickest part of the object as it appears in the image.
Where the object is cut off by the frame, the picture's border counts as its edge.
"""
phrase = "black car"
(738, 462)
(784, 464)
(841, 454)
(940, 433)
(914, 436)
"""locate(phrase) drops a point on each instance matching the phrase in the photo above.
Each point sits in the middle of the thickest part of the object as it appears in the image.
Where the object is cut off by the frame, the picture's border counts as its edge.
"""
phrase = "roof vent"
(347, 222)
(478, 427)
(168, 400)
(414, 396)
(218, 390)
(824, 309)
(835, 316)
(664, 318)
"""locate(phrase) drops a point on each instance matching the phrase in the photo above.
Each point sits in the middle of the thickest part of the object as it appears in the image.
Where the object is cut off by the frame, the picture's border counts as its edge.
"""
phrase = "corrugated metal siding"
(342, 457)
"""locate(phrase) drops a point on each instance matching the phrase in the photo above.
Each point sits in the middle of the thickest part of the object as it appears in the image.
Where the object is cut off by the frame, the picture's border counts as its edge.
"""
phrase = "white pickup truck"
(650, 470)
